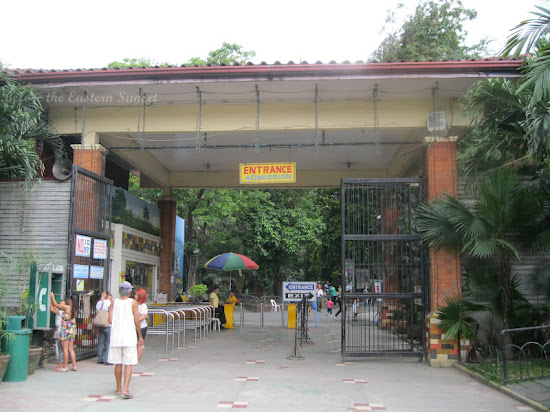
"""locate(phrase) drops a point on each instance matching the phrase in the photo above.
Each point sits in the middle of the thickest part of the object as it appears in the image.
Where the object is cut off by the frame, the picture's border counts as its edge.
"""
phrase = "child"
(330, 304)
(57, 336)
(355, 308)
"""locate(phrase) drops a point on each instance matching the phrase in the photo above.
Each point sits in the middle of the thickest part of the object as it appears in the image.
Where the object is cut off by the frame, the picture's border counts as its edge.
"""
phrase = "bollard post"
(282, 314)
(261, 315)
(242, 315)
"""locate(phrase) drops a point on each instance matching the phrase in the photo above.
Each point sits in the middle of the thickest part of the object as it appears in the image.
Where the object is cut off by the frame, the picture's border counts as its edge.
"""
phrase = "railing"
(174, 319)
(521, 360)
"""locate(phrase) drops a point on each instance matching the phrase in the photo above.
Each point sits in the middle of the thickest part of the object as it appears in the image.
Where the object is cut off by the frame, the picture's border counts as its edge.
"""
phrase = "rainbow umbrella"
(230, 261)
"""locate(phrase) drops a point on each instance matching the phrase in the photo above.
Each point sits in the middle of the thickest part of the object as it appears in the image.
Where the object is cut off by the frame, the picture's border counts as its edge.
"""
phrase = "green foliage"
(455, 322)
(527, 36)
(22, 123)
(228, 54)
(141, 62)
(504, 210)
(198, 290)
(434, 32)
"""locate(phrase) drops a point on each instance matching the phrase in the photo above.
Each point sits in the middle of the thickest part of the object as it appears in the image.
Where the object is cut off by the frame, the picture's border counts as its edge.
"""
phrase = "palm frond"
(526, 35)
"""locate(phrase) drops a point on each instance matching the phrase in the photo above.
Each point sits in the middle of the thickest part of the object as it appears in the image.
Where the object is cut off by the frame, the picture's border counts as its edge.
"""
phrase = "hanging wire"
(139, 139)
(257, 132)
(83, 119)
(316, 141)
(378, 147)
(198, 118)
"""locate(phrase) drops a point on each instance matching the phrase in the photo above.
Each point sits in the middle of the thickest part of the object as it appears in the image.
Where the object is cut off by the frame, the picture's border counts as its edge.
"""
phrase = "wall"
(35, 221)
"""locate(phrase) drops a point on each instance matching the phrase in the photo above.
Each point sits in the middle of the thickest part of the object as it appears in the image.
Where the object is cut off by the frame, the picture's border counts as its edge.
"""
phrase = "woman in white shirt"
(141, 298)
(103, 333)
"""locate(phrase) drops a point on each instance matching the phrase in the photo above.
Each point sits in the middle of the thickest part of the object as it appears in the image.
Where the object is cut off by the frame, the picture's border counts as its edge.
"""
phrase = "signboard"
(80, 271)
(254, 173)
(100, 249)
(83, 246)
(96, 272)
(295, 291)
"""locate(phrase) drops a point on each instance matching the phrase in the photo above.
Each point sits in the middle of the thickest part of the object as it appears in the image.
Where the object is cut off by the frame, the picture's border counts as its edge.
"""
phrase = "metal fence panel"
(383, 268)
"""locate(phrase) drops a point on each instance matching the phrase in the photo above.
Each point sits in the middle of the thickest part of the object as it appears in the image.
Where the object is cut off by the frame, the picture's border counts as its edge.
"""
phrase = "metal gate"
(89, 249)
(383, 269)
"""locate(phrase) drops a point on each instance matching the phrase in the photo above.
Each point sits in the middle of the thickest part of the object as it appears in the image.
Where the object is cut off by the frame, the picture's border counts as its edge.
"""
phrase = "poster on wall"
(178, 255)
(80, 271)
(83, 246)
(100, 249)
(96, 272)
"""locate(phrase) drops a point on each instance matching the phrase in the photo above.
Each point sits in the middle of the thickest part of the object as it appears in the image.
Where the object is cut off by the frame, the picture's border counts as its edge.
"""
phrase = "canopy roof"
(193, 126)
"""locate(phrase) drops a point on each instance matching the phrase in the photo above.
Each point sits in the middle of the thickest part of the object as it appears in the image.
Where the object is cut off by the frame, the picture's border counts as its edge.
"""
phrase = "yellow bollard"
(292, 316)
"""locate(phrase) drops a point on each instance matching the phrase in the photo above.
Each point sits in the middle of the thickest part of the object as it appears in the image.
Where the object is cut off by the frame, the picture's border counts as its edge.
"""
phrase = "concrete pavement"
(248, 368)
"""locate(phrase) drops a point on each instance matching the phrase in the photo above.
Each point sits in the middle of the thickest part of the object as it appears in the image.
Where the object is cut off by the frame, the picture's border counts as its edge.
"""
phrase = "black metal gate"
(89, 249)
(383, 269)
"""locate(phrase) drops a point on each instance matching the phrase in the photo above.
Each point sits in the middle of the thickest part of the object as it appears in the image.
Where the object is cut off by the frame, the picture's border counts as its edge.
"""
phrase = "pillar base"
(440, 352)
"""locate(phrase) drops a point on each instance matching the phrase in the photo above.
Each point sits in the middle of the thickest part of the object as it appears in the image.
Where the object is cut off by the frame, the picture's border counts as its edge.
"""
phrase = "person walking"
(124, 320)
(143, 310)
(104, 333)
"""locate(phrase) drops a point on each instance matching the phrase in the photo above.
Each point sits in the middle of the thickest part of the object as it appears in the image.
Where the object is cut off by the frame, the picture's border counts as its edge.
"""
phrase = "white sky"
(70, 34)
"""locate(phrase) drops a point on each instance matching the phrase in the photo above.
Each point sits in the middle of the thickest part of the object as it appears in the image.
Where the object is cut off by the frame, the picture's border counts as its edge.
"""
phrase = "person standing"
(320, 297)
(228, 309)
(104, 333)
(218, 306)
(143, 310)
(124, 320)
(57, 336)
(68, 329)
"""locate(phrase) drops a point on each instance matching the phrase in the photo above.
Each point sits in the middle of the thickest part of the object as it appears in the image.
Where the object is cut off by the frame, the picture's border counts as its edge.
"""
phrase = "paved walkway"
(248, 368)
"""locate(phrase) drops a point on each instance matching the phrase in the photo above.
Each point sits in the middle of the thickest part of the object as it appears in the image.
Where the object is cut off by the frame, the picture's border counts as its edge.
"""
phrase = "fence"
(524, 357)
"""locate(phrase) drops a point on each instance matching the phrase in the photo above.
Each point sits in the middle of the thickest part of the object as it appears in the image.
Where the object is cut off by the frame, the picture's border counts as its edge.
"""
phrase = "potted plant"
(198, 292)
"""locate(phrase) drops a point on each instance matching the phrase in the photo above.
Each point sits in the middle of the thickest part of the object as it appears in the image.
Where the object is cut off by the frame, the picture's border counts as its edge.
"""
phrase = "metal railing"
(524, 359)
(174, 319)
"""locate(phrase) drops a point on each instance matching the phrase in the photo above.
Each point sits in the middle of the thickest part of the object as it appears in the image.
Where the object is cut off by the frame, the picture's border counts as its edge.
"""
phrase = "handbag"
(101, 319)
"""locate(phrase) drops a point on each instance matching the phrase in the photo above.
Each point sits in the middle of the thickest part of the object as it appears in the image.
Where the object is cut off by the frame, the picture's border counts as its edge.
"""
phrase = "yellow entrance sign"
(253, 173)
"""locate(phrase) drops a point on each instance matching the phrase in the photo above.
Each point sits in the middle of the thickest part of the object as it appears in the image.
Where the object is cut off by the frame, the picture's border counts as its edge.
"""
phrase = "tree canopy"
(435, 31)
(23, 124)
(228, 54)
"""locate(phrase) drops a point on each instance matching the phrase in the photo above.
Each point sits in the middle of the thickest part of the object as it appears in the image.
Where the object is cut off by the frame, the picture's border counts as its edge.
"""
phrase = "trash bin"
(17, 345)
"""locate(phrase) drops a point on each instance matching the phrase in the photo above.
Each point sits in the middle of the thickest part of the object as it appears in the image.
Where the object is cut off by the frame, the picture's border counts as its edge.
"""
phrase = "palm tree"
(504, 210)
(22, 124)
(527, 36)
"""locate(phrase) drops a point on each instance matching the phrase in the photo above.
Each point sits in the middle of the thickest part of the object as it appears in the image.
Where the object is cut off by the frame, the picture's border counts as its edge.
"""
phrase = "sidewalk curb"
(503, 389)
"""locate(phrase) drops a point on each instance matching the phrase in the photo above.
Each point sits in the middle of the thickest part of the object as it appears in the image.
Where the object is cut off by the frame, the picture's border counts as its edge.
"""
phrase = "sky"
(70, 34)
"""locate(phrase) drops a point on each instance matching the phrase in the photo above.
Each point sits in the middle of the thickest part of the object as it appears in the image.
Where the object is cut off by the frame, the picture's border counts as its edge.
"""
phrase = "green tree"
(504, 209)
(530, 35)
(434, 32)
(23, 124)
(141, 62)
(228, 54)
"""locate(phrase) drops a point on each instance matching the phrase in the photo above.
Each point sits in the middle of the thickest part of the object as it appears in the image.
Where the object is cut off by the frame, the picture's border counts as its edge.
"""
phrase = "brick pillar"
(445, 273)
(167, 208)
(89, 157)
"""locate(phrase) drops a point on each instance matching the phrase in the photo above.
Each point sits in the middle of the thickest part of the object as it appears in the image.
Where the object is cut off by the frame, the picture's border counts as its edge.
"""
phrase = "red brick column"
(445, 273)
(90, 158)
(167, 208)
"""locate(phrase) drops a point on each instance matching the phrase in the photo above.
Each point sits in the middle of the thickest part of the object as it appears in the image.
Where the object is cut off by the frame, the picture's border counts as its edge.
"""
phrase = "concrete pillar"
(445, 273)
(167, 206)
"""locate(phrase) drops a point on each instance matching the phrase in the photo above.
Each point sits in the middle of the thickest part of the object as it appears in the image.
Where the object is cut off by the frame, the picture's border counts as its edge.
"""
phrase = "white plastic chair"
(275, 306)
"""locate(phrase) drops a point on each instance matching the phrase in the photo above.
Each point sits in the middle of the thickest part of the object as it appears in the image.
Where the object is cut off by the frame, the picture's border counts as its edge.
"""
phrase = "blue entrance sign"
(295, 291)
